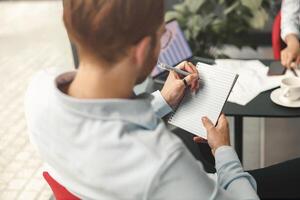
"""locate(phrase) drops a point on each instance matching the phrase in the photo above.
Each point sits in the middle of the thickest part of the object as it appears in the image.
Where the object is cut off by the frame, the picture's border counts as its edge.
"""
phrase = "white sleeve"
(159, 104)
(290, 18)
(184, 178)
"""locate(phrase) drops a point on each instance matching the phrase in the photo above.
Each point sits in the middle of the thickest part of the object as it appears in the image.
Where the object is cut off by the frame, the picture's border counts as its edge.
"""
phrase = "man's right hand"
(216, 136)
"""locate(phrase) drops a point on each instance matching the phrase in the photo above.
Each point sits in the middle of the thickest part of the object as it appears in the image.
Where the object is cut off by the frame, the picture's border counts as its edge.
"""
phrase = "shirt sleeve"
(231, 175)
(159, 104)
(290, 18)
(185, 178)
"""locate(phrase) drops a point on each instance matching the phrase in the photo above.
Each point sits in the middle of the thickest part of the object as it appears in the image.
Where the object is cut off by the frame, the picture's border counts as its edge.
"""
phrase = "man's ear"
(141, 51)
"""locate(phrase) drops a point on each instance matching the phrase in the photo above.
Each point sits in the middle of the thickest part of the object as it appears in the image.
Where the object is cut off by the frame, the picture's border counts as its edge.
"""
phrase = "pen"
(294, 72)
(284, 71)
(169, 68)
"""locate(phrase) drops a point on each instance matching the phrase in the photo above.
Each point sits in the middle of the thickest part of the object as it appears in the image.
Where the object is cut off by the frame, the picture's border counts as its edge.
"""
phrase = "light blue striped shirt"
(118, 149)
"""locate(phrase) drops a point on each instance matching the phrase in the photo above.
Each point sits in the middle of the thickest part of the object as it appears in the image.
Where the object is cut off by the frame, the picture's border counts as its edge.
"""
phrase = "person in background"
(290, 33)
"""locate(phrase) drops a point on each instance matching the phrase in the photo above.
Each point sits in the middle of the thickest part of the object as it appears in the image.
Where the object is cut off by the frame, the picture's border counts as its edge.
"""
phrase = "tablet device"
(177, 49)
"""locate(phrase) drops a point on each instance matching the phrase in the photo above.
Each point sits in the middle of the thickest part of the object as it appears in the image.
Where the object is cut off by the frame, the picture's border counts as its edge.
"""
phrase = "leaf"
(259, 19)
(199, 23)
(217, 25)
(195, 22)
(195, 25)
(187, 34)
(231, 8)
(252, 4)
(173, 15)
(221, 1)
(182, 8)
(194, 5)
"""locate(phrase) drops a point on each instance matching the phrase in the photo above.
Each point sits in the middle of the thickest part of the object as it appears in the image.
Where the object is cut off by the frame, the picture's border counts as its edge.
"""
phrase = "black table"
(260, 107)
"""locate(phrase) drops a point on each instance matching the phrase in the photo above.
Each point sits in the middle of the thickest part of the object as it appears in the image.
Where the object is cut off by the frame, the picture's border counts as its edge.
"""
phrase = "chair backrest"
(276, 37)
(59, 191)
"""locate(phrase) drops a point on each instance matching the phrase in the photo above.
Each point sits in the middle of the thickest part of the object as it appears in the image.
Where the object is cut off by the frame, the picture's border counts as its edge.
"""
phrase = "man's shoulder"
(40, 90)
(45, 75)
(42, 81)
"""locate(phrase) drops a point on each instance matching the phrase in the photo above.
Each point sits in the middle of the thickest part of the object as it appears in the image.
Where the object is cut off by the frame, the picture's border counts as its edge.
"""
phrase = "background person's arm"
(290, 32)
(290, 56)
(290, 19)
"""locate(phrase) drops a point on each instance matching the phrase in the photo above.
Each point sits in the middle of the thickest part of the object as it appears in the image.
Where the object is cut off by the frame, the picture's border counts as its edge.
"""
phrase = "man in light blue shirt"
(102, 142)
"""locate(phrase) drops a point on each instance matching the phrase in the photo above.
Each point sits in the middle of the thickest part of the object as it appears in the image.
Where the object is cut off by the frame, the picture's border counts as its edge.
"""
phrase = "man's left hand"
(174, 88)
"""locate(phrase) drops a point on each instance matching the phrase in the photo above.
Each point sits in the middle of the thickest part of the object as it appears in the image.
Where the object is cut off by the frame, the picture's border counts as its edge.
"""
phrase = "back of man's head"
(107, 28)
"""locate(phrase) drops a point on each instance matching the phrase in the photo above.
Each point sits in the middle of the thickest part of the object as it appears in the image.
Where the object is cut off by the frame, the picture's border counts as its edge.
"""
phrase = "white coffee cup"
(290, 89)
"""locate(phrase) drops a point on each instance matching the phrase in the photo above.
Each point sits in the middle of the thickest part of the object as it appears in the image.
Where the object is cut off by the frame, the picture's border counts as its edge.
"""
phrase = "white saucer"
(275, 97)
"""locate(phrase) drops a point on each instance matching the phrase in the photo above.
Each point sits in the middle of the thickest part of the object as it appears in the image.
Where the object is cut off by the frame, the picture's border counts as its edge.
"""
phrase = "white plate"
(275, 97)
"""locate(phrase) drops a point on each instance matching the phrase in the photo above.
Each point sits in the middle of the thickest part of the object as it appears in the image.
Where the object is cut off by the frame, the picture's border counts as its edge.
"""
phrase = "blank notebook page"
(216, 84)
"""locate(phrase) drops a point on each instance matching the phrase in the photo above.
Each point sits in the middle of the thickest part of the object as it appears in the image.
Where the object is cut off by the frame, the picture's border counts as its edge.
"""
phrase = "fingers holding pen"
(195, 71)
(193, 78)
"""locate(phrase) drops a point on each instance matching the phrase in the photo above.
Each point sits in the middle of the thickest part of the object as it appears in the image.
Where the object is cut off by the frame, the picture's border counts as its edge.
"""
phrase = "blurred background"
(32, 37)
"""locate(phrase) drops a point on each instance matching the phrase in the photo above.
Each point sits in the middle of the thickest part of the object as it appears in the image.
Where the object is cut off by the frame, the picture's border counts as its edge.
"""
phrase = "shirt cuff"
(159, 104)
(288, 31)
(224, 155)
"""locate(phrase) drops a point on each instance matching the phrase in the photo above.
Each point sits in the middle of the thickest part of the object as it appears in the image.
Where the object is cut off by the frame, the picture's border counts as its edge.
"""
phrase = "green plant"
(213, 23)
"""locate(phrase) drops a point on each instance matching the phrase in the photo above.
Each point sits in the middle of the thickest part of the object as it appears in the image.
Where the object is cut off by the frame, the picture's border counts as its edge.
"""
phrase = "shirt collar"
(137, 110)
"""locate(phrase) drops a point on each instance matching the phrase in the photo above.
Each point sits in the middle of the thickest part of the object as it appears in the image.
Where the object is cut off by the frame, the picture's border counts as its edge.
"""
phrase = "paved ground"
(31, 38)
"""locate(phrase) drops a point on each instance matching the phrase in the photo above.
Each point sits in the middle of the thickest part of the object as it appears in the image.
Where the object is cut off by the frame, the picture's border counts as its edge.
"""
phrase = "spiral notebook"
(216, 84)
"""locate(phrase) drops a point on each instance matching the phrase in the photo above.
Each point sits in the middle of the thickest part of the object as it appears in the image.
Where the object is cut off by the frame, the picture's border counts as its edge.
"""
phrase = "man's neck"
(94, 81)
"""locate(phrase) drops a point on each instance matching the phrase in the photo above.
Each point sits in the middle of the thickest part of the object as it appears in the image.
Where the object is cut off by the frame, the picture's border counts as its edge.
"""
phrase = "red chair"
(59, 191)
(276, 37)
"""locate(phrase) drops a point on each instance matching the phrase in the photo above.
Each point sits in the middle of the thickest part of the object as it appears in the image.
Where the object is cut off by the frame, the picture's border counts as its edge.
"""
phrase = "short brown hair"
(107, 28)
